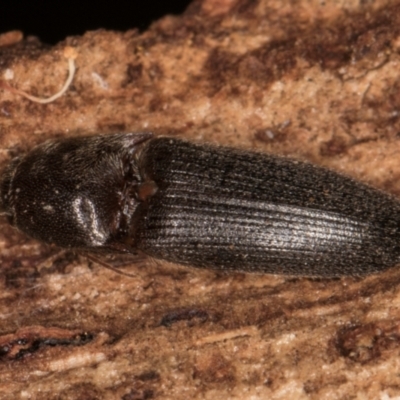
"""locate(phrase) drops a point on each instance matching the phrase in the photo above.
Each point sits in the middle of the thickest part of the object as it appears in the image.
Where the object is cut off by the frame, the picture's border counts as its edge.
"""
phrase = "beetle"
(200, 205)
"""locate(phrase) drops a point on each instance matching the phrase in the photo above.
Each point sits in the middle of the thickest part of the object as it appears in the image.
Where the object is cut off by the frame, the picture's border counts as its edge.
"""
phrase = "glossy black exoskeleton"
(201, 205)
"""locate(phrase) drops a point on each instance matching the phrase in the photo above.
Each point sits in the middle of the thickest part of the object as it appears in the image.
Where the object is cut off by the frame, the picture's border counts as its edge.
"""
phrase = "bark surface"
(314, 80)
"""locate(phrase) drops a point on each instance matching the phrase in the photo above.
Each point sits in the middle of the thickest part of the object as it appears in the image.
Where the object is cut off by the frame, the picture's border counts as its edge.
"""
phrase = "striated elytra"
(201, 205)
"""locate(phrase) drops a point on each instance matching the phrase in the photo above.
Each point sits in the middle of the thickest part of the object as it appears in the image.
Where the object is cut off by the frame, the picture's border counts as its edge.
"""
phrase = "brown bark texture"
(317, 81)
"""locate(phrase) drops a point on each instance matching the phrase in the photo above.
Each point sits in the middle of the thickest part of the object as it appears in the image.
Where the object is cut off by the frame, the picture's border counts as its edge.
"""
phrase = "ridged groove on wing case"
(230, 209)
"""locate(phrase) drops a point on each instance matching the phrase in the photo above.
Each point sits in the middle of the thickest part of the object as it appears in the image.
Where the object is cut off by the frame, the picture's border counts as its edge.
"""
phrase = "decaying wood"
(310, 79)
